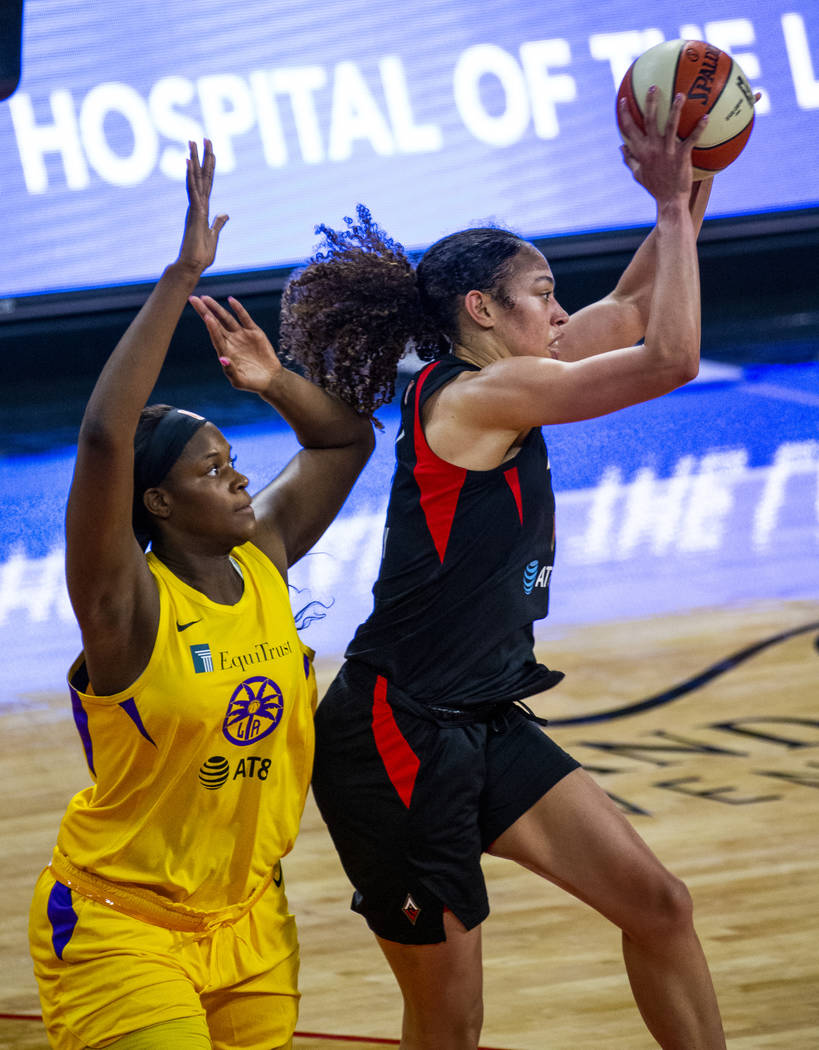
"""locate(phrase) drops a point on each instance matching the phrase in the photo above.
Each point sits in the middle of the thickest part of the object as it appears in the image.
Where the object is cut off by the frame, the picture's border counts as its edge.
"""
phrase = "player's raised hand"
(659, 159)
(245, 353)
(198, 249)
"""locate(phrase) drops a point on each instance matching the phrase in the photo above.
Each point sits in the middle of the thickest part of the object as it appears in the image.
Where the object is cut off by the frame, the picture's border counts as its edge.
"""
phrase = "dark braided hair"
(358, 306)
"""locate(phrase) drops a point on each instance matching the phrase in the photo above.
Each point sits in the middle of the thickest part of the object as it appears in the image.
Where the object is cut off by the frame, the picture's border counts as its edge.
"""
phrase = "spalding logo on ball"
(712, 83)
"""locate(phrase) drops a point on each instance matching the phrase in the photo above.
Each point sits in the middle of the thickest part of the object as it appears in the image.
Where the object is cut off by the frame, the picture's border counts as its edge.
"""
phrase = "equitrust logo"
(205, 659)
(202, 658)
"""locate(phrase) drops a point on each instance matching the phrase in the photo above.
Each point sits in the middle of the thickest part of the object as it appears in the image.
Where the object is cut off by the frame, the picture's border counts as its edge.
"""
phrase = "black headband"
(170, 436)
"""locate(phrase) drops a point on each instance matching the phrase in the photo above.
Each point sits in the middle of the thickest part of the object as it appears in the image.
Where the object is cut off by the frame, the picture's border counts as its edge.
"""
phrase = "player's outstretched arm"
(297, 506)
(621, 318)
(109, 584)
(519, 392)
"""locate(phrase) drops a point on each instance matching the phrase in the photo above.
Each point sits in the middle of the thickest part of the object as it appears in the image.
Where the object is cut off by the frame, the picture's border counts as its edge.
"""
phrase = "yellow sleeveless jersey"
(201, 767)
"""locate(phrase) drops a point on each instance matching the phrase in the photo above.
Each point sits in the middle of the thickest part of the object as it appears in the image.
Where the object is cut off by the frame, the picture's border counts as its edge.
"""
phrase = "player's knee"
(457, 1027)
(665, 911)
(473, 1022)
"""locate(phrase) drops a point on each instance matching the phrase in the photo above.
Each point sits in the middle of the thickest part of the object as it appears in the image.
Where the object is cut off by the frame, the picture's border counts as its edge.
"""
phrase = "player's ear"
(157, 502)
(478, 307)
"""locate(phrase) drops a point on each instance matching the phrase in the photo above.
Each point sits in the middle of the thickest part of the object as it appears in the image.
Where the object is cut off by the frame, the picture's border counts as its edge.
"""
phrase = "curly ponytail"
(349, 316)
(358, 306)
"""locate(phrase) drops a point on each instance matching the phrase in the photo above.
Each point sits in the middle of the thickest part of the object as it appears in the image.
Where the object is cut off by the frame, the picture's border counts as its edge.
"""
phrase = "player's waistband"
(492, 712)
(148, 906)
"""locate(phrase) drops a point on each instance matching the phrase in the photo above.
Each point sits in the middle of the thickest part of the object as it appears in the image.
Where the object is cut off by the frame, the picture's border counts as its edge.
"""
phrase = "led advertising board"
(434, 116)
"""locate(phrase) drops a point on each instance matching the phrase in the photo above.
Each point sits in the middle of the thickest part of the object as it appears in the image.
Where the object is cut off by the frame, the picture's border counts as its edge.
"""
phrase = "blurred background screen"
(433, 117)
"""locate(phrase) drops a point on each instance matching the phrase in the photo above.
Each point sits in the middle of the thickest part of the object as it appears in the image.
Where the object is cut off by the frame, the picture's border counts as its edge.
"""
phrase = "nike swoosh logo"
(185, 626)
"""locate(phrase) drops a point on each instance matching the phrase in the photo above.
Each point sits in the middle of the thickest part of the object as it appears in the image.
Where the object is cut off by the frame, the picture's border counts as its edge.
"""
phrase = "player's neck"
(478, 353)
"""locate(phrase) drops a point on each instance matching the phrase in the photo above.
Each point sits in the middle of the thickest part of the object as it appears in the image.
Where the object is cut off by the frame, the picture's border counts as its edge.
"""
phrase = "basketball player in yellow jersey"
(162, 921)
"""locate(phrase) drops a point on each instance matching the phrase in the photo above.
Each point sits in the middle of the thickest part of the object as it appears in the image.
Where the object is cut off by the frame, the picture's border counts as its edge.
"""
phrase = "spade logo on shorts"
(411, 909)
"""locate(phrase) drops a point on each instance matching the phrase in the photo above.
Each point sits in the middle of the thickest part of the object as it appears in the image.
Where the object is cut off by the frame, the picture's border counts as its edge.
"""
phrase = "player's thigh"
(442, 983)
(250, 1020)
(187, 1033)
(102, 974)
(252, 997)
(576, 837)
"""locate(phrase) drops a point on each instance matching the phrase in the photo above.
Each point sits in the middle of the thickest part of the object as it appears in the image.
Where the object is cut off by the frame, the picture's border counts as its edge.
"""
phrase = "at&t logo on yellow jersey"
(215, 772)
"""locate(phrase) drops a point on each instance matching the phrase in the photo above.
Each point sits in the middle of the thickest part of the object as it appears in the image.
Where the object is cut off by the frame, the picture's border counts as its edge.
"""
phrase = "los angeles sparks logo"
(254, 710)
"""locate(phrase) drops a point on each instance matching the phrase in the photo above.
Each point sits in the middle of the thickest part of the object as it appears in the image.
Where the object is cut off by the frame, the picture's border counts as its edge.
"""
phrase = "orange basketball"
(712, 83)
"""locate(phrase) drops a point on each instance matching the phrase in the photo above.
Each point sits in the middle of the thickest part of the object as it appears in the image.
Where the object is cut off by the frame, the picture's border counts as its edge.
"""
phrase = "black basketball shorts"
(412, 804)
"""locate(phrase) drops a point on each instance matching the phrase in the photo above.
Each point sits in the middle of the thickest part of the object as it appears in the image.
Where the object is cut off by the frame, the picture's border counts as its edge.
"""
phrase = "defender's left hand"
(245, 353)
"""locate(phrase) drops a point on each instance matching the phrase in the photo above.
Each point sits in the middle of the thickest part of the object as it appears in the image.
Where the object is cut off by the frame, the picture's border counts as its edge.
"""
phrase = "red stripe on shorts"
(399, 759)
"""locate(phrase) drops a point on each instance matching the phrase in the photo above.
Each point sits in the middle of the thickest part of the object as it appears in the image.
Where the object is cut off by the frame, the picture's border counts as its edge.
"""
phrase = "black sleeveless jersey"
(465, 568)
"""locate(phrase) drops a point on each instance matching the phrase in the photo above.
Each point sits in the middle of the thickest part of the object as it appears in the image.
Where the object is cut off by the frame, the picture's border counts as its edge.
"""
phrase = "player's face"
(209, 496)
(533, 325)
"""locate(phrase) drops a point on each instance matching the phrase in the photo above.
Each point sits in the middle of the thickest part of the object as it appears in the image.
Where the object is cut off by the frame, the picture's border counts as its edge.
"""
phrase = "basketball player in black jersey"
(426, 756)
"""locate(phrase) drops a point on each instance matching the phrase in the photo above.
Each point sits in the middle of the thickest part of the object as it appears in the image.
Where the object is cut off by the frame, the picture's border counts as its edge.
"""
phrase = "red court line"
(348, 1038)
(298, 1035)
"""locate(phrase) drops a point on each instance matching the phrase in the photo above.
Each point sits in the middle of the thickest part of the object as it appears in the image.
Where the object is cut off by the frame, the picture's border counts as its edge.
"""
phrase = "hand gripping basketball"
(711, 82)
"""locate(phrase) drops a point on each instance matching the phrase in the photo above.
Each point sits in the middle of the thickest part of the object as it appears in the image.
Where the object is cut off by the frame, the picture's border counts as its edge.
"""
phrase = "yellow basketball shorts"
(103, 975)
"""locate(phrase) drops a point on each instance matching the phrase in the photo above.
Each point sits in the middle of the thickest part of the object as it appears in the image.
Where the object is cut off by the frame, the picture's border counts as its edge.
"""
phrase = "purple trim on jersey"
(130, 709)
(513, 481)
(439, 482)
(81, 722)
(400, 761)
(306, 666)
(61, 915)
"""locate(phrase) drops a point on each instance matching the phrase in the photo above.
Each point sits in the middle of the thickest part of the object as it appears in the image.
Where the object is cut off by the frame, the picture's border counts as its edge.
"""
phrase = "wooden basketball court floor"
(703, 726)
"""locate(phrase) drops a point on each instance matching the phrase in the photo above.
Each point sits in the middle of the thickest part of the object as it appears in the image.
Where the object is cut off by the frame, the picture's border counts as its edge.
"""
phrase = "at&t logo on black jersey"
(535, 575)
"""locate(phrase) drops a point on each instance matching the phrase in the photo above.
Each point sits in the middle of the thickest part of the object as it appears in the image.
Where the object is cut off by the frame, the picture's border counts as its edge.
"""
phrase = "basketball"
(712, 83)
